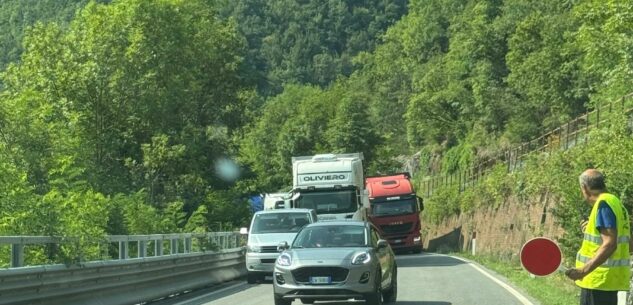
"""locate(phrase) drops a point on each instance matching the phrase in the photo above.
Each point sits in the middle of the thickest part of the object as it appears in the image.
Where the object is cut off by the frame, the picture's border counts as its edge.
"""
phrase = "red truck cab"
(395, 210)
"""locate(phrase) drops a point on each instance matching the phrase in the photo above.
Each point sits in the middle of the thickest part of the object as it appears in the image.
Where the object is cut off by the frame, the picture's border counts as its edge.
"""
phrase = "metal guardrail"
(573, 133)
(203, 242)
(121, 281)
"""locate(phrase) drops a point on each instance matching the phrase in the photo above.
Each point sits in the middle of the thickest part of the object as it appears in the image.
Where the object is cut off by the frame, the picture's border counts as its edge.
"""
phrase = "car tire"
(281, 301)
(375, 298)
(391, 294)
(307, 301)
(251, 278)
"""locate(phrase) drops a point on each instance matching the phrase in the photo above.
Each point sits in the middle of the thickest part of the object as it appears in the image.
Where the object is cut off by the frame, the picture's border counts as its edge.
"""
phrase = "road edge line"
(514, 292)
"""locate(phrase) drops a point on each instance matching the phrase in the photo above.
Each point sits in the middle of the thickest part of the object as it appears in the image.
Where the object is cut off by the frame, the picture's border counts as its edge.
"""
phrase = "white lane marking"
(511, 290)
(210, 294)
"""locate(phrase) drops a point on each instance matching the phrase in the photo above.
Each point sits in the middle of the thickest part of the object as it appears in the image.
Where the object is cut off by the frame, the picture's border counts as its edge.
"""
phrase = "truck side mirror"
(420, 204)
(243, 231)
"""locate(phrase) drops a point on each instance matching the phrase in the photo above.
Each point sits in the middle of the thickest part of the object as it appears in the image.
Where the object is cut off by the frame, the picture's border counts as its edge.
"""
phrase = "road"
(424, 279)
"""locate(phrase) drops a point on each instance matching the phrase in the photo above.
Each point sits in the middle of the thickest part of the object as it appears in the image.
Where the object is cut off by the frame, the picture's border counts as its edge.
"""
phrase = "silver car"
(338, 260)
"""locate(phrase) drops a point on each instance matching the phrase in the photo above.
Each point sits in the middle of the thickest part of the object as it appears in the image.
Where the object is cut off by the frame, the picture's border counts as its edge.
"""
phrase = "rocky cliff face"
(499, 232)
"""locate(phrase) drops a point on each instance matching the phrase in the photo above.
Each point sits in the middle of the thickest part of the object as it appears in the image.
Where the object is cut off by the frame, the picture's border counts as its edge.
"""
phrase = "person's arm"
(607, 226)
(609, 244)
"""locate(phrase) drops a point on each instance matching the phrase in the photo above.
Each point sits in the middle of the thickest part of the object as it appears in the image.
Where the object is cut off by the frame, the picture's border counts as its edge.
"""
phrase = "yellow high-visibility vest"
(615, 273)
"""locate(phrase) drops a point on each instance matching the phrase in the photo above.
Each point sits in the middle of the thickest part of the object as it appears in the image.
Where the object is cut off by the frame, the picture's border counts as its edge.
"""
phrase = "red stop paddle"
(541, 256)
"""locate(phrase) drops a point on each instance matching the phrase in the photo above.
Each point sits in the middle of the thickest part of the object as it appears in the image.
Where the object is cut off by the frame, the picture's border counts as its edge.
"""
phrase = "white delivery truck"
(331, 184)
(276, 201)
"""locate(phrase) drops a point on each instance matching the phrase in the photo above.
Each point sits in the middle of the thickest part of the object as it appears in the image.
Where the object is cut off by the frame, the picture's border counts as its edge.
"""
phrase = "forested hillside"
(461, 79)
(17, 15)
(308, 42)
(123, 120)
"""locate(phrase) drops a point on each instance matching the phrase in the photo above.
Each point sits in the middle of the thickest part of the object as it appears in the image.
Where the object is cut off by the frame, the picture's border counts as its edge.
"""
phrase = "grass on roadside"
(555, 289)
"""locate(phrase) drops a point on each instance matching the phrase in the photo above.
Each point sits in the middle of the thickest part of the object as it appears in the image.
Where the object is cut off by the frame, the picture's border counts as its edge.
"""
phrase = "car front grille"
(269, 249)
(338, 274)
(396, 229)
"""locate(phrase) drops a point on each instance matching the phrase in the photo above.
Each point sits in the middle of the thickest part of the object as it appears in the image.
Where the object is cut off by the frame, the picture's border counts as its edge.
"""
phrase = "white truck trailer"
(331, 184)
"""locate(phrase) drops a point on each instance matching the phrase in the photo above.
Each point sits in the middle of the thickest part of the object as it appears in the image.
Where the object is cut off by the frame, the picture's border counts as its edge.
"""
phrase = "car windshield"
(396, 207)
(279, 222)
(328, 202)
(331, 237)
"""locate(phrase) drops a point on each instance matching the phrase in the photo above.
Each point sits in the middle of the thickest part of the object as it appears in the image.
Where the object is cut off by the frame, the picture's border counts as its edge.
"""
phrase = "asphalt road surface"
(423, 279)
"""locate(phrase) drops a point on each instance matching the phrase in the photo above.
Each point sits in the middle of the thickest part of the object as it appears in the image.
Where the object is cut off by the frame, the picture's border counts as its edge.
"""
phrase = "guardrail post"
(123, 250)
(17, 255)
(173, 249)
(187, 244)
(158, 247)
(142, 248)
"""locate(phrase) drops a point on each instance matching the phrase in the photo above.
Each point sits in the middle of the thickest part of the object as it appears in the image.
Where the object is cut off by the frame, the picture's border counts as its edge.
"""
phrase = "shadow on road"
(396, 303)
(423, 303)
(209, 294)
(429, 260)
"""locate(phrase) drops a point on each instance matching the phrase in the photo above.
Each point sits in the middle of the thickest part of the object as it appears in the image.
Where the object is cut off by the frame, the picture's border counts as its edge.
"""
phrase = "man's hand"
(583, 225)
(575, 274)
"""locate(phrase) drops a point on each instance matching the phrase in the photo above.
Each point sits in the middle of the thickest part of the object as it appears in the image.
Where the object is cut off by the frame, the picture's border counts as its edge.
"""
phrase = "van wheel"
(251, 278)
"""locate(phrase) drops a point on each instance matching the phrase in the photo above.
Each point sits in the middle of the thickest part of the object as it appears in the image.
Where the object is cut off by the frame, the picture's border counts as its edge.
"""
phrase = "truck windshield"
(394, 207)
(279, 222)
(328, 202)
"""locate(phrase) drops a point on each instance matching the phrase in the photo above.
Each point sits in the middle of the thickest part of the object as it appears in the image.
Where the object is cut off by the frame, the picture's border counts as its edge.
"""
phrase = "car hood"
(270, 239)
(336, 256)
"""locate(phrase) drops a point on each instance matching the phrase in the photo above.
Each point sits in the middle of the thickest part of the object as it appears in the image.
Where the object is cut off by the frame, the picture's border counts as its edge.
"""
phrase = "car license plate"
(320, 280)
(268, 278)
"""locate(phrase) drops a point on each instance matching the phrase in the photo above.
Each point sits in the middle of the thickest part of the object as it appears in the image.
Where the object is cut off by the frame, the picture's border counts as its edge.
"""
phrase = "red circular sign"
(541, 256)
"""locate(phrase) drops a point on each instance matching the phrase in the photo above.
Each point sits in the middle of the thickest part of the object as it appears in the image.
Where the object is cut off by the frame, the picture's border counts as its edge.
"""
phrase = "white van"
(268, 229)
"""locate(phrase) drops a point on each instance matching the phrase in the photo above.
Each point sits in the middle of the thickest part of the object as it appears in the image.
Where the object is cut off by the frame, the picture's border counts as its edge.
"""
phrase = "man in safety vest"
(602, 263)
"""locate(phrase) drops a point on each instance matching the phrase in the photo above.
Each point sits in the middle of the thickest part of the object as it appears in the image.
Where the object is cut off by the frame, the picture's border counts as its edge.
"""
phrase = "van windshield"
(279, 222)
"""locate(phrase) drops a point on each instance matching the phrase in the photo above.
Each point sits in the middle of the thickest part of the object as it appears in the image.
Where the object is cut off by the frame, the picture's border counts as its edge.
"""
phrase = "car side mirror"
(282, 246)
(243, 231)
(382, 244)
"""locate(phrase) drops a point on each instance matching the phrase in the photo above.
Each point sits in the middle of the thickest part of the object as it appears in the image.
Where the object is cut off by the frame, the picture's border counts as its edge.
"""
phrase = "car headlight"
(256, 249)
(361, 258)
(416, 239)
(284, 259)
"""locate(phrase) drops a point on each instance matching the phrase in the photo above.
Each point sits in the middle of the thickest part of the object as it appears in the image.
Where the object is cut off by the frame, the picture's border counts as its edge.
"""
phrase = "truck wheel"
(251, 278)
(281, 301)
(375, 298)
(392, 293)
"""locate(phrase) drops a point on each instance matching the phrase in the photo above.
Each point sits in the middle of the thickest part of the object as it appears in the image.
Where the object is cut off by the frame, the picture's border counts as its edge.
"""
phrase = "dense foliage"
(17, 15)
(308, 42)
